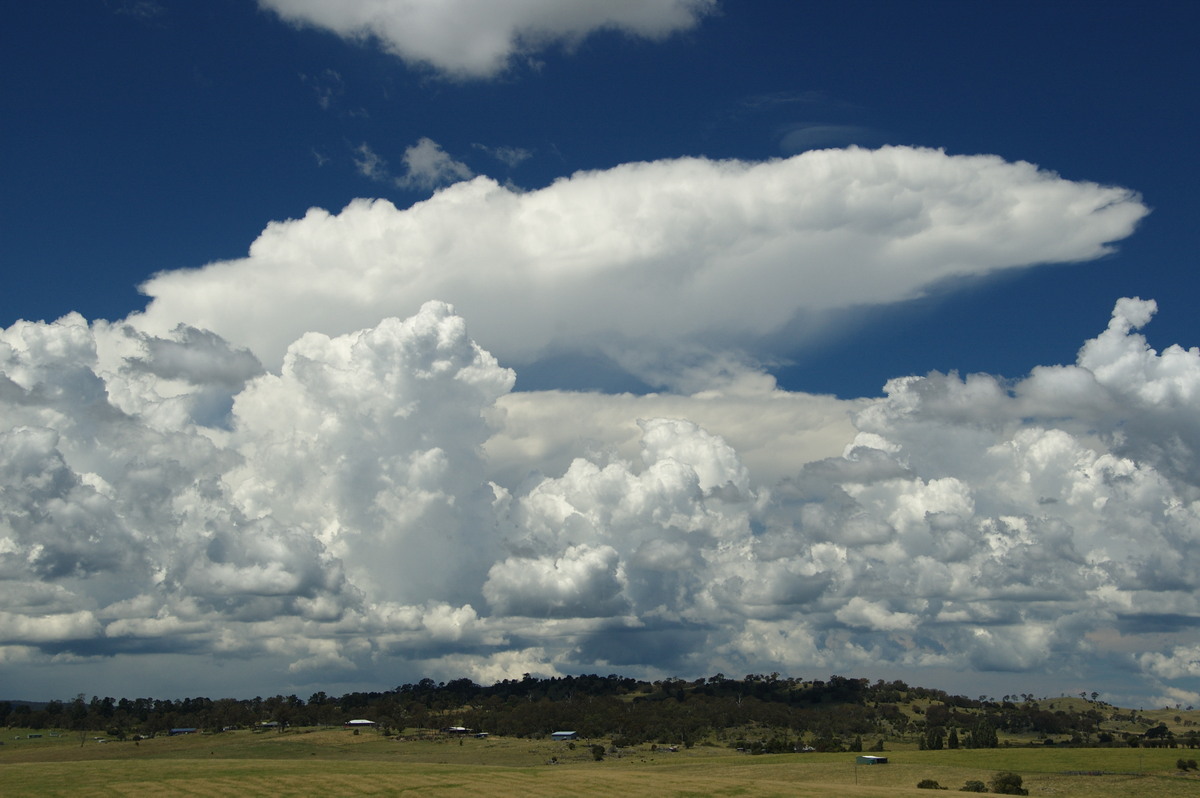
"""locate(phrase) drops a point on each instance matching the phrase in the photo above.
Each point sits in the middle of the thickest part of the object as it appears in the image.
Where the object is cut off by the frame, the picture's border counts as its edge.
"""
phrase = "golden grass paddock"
(335, 762)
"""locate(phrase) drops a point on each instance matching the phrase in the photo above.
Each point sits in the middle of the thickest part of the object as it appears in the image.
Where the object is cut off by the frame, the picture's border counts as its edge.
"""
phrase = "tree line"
(764, 713)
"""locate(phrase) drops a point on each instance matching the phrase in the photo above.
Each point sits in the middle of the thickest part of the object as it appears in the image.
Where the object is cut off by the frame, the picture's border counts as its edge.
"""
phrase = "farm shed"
(564, 735)
(870, 760)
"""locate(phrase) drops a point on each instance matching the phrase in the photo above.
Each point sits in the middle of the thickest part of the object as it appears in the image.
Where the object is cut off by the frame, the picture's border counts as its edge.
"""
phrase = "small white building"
(561, 736)
(359, 723)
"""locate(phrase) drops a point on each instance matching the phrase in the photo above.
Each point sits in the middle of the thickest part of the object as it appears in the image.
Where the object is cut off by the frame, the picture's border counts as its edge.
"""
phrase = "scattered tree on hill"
(983, 735)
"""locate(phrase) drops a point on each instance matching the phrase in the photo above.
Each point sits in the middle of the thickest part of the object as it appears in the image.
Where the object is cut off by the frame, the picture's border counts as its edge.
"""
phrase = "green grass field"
(334, 762)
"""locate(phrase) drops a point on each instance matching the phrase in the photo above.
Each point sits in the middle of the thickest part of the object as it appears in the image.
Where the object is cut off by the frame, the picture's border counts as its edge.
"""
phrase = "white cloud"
(584, 581)
(1181, 661)
(649, 264)
(382, 503)
(774, 432)
(47, 628)
(427, 166)
(369, 164)
(1177, 697)
(480, 38)
(874, 615)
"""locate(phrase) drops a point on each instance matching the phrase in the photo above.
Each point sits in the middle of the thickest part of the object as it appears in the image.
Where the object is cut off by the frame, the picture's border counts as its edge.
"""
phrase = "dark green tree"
(1008, 783)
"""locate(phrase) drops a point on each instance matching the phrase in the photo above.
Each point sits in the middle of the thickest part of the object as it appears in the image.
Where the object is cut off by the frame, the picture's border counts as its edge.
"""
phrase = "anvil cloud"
(646, 261)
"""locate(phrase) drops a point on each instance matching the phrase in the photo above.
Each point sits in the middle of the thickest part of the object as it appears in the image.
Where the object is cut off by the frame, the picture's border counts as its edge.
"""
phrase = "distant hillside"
(759, 712)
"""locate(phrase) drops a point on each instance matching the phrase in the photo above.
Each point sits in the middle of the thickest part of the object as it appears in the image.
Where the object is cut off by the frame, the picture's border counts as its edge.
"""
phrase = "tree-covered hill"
(761, 712)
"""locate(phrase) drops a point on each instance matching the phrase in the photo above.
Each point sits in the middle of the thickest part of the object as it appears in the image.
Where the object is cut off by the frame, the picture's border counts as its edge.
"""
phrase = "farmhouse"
(358, 723)
(870, 760)
(564, 735)
(182, 730)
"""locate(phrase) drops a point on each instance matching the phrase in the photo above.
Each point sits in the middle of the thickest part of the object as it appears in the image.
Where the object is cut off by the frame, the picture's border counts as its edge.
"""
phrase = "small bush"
(1008, 783)
(973, 786)
(930, 784)
(598, 752)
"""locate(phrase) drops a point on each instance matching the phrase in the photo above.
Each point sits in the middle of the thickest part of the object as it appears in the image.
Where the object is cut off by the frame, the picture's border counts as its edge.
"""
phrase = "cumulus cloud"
(649, 264)
(775, 432)
(474, 39)
(1180, 661)
(382, 504)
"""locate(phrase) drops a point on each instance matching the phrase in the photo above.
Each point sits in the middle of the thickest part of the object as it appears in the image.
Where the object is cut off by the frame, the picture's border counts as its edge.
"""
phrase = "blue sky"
(781, 336)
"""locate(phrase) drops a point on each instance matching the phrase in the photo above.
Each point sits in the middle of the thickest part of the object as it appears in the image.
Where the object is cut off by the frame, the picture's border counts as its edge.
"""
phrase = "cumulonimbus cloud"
(166, 496)
(646, 260)
(480, 38)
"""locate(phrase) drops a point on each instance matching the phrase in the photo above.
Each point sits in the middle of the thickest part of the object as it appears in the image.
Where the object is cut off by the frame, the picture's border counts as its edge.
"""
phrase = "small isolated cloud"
(327, 86)
(509, 156)
(427, 166)
(369, 164)
(811, 136)
(142, 10)
(480, 38)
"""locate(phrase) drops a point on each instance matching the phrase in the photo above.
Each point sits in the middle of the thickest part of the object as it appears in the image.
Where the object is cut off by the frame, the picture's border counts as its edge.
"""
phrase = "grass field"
(334, 762)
